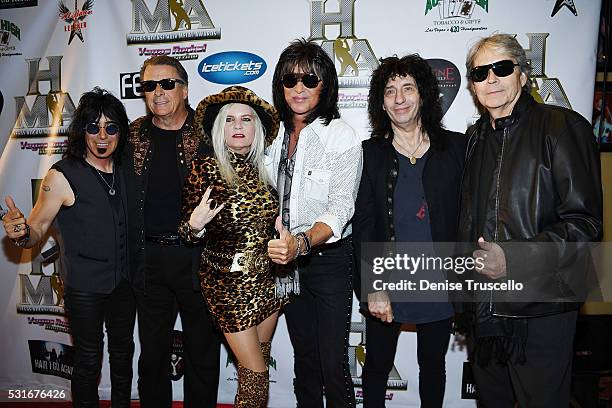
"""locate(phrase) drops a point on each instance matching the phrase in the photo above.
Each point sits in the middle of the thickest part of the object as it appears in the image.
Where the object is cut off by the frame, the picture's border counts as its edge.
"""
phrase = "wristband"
(307, 246)
(21, 242)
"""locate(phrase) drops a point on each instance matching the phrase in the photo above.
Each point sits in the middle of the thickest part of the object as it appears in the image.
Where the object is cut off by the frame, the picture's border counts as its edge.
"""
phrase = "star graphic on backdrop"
(567, 3)
(74, 18)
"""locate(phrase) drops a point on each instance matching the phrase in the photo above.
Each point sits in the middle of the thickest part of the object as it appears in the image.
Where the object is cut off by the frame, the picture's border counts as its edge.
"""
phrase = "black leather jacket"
(544, 203)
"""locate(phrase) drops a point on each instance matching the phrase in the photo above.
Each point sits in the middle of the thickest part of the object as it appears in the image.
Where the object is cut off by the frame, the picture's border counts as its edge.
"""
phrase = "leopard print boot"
(265, 351)
(252, 388)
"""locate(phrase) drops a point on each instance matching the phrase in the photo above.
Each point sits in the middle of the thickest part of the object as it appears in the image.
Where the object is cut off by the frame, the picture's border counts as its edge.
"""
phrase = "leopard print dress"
(235, 271)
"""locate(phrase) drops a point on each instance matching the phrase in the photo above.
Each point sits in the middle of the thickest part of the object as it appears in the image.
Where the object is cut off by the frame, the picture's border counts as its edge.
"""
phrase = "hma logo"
(40, 115)
(41, 293)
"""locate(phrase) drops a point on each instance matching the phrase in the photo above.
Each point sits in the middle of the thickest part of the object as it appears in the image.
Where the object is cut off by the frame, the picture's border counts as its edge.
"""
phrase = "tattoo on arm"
(46, 188)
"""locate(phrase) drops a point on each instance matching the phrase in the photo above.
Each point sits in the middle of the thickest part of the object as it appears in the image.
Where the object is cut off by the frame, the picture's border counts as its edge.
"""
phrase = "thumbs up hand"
(14, 221)
(284, 249)
(492, 257)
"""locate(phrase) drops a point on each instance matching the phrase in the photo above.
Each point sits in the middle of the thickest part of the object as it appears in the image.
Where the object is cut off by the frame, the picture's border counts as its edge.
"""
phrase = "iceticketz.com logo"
(232, 67)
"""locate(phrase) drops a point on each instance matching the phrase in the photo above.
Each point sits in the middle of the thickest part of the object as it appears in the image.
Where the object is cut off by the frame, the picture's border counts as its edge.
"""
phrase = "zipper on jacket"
(497, 183)
(468, 156)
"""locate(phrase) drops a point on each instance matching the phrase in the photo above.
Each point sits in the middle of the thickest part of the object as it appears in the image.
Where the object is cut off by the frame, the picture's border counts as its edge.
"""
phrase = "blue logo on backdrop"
(232, 67)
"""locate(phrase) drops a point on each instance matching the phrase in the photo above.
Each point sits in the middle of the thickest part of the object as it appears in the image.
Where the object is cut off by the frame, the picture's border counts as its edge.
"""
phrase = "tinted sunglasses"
(167, 84)
(93, 128)
(309, 80)
(500, 69)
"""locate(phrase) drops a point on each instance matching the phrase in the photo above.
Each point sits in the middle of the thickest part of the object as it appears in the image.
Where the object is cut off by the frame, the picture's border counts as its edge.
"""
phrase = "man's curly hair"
(430, 111)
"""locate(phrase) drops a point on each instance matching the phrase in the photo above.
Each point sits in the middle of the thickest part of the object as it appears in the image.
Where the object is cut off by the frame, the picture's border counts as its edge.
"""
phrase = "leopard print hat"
(209, 107)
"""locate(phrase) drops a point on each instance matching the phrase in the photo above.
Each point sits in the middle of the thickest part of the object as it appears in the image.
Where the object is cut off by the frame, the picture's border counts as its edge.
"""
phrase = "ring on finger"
(17, 228)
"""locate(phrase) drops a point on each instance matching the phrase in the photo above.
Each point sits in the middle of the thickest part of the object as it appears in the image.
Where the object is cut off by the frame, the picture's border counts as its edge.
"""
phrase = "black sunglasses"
(93, 128)
(500, 68)
(167, 84)
(309, 80)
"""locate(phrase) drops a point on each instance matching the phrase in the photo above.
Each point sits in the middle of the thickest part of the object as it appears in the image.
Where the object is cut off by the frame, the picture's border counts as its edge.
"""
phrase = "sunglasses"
(500, 69)
(167, 84)
(111, 128)
(309, 80)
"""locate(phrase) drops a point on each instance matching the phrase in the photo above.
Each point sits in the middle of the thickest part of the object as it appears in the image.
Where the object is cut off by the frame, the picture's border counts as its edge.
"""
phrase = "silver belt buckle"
(238, 262)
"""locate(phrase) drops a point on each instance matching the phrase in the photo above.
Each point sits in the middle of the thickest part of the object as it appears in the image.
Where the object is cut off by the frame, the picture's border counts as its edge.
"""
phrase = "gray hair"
(222, 154)
(503, 44)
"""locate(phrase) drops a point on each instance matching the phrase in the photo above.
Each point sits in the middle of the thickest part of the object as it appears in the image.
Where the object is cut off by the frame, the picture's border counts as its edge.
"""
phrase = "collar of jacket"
(523, 103)
(187, 140)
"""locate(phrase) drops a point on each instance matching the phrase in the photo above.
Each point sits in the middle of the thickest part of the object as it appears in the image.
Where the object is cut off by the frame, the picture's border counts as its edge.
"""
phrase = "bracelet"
(196, 233)
(21, 242)
(299, 246)
(307, 246)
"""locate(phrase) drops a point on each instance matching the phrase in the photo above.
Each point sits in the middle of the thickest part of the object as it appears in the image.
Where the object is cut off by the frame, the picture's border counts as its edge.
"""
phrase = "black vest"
(92, 238)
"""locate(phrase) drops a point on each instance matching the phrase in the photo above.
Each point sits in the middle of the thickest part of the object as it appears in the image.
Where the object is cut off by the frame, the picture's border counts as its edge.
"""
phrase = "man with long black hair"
(315, 164)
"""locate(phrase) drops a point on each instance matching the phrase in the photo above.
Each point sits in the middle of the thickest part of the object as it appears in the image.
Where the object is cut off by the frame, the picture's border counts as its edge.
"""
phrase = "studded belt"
(249, 260)
(164, 239)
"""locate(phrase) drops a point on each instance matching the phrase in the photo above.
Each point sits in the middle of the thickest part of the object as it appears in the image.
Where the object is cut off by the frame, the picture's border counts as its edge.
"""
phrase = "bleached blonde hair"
(222, 153)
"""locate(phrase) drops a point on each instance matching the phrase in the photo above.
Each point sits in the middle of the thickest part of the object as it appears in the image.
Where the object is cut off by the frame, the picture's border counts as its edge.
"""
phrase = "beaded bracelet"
(299, 246)
(307, 245)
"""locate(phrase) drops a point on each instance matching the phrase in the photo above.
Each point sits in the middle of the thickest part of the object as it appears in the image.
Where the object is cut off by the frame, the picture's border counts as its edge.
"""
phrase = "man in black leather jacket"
(531, 201)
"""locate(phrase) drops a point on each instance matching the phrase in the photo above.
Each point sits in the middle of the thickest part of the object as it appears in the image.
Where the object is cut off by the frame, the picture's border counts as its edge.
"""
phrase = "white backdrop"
(42, 76)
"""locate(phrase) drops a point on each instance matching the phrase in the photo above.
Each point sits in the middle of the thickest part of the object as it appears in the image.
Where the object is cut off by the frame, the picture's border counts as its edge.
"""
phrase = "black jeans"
(318, 321)
(381, 344)
(168, 283)
(87, 312)
(544, 381)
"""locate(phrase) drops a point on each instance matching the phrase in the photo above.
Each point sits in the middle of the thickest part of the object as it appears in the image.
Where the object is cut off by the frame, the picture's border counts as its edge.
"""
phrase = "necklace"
(111, 187)
(412, 156)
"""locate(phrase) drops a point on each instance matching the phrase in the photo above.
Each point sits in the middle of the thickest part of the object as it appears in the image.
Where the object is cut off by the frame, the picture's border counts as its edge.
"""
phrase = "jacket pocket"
(316, 184)
(90, 257)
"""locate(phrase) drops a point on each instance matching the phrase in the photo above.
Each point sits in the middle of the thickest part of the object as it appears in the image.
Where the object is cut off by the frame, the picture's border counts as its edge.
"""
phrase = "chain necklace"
(411, 157)
(111, 187)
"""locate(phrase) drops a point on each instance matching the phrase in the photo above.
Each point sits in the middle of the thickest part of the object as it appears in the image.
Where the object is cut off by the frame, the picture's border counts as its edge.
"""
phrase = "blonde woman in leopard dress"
(229, 207)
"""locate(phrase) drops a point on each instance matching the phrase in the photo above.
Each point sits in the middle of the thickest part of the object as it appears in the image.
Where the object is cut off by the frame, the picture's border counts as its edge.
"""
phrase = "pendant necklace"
(412, 156)
(111, 187)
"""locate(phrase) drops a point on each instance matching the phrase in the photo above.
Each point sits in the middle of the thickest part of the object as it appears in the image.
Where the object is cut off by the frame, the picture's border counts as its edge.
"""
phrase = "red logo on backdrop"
(449, 80)
(75, 19)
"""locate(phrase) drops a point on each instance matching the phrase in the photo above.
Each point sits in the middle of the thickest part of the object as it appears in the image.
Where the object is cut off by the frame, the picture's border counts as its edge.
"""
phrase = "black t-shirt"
(412, 224)
(162, 209)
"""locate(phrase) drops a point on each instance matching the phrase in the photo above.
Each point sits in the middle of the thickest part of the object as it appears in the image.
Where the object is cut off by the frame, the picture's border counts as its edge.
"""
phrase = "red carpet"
(103, 404)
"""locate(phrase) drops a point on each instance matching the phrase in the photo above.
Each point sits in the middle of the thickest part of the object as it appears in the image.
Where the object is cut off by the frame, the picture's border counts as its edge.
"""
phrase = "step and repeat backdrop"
(53, 51)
